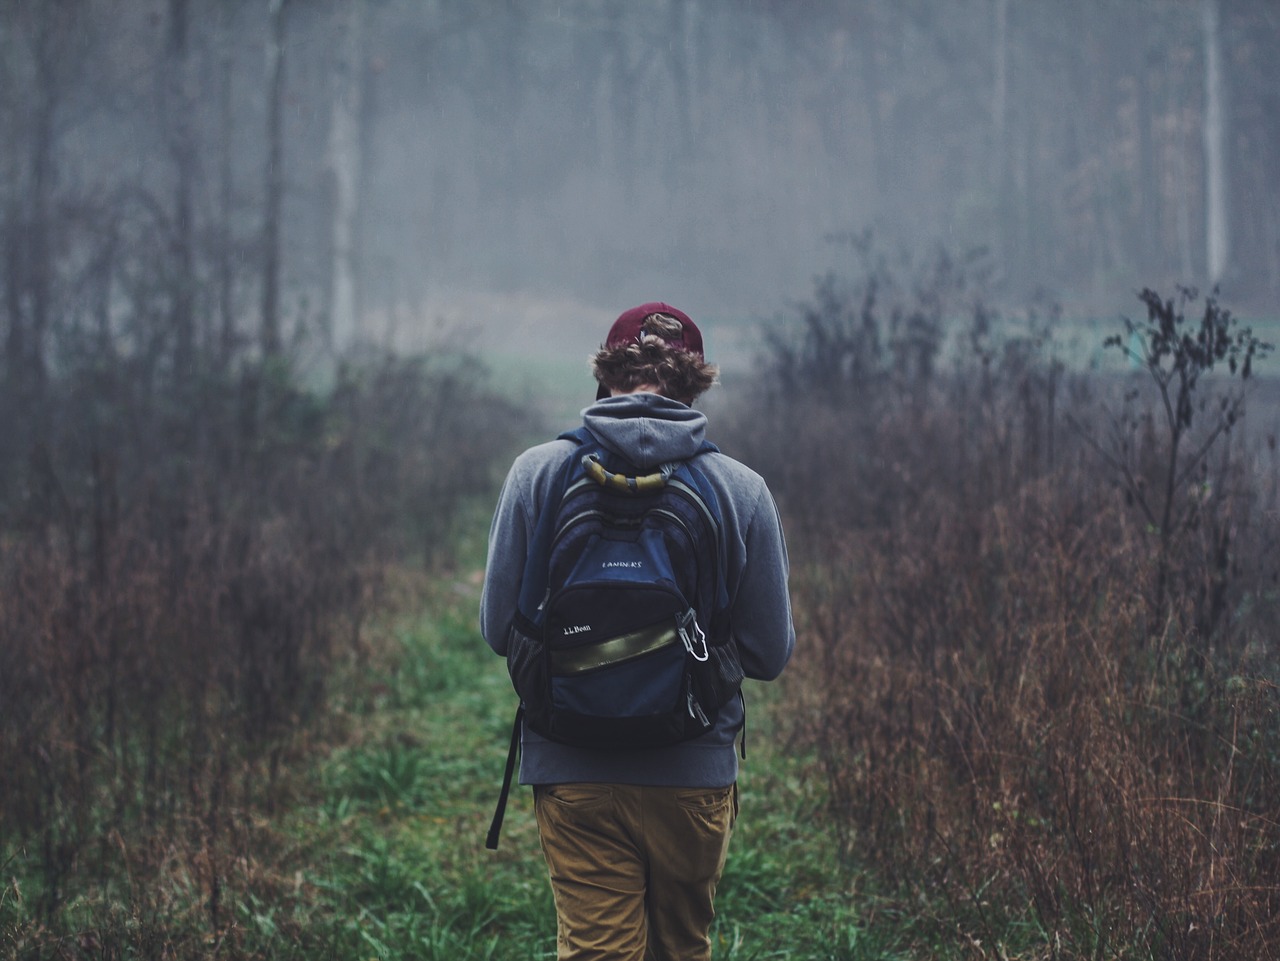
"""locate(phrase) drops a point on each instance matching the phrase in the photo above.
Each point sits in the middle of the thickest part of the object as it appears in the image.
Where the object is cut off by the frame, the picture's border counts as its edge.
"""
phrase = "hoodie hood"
(646, 429)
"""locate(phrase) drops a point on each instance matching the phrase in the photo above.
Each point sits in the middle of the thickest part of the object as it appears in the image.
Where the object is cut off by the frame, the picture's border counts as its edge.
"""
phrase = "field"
(375, 845)
(1034, 711)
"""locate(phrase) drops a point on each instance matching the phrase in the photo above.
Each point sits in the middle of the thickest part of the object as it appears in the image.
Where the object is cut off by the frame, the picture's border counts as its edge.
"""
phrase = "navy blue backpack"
(621, 640)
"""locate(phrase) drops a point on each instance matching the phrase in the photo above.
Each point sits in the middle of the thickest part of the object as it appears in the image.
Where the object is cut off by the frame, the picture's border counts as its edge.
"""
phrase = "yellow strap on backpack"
(630, 485)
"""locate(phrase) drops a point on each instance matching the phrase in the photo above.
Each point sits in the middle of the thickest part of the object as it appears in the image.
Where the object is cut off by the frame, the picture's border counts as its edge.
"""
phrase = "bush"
(1003, 726)
(182, 568)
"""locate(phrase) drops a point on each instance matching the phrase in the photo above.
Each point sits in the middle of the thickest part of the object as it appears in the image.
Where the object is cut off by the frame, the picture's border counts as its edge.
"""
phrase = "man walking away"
(635, 836)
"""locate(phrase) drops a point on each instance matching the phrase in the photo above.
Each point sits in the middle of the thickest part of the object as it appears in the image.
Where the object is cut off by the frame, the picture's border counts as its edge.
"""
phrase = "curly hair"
(677, 373)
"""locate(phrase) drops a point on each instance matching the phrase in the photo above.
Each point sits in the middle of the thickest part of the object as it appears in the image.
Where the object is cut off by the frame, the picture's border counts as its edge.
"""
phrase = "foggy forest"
(379, 160)
(994, 288)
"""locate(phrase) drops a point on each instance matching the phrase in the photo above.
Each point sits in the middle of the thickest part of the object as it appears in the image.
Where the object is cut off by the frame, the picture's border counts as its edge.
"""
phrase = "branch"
(1202, 453)
(1130, 482)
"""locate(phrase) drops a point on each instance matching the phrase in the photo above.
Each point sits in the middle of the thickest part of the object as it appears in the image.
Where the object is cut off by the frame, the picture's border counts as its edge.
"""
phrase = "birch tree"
(1217, 227)
(344, 163)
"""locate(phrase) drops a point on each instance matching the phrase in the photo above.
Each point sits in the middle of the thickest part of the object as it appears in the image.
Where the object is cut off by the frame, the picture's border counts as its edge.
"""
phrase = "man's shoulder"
(734, 480)
(538, 464)
(548, 452)
(720, 465)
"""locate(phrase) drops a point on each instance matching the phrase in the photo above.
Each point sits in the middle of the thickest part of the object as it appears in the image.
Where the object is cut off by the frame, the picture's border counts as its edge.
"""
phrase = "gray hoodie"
(648, 430)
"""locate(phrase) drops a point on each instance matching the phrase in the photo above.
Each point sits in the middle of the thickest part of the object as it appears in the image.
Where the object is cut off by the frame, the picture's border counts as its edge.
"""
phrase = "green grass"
(388, 854)
(376, 848)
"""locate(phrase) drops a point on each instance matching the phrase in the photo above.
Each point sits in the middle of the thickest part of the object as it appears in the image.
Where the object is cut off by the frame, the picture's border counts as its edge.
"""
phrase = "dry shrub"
(173, 606)
(994, 727)
(159, 688)
(1006, 722)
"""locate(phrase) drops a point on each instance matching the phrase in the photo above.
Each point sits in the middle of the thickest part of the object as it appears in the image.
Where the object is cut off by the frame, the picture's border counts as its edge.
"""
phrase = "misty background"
(285, 284)
(301, 174)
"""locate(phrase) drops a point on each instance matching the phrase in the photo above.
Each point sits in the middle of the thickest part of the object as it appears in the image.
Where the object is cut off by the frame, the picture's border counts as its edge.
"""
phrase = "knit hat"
(629, 328)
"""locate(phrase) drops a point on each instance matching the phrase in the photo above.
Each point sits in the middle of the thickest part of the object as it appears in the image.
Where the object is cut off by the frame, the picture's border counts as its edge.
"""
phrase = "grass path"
(385, 858)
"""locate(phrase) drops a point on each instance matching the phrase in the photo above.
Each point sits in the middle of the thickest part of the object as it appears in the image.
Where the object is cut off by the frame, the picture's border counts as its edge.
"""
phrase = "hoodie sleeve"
(761, 608)
(528, 484)
(504, 567)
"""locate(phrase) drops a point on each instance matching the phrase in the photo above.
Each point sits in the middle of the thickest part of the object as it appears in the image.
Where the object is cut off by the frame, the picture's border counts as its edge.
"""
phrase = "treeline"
(198, 501)
(1037, 611)
(199, 487)
(402, 150)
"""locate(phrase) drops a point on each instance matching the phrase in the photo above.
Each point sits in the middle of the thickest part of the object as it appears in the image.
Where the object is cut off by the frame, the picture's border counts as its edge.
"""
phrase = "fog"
(528, 169)
(246, 477)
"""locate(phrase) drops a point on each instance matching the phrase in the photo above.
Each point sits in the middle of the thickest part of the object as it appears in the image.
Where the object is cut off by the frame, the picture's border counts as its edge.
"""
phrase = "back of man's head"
(653, 346)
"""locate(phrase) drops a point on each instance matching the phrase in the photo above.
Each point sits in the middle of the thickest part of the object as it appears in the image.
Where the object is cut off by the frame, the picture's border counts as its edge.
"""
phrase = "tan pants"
(634, 869)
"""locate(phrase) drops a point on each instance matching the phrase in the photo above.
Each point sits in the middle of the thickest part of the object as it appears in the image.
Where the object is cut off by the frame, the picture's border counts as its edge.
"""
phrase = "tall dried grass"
(172, 613)
(1006, 723)
(996, 726)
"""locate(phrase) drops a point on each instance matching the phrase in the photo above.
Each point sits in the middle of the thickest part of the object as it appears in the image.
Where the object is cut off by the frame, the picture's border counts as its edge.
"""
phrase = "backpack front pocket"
(626, 694)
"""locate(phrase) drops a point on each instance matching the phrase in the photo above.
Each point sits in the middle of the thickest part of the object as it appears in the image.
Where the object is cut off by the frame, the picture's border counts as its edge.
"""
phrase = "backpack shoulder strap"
(706, 494)
(534, 585)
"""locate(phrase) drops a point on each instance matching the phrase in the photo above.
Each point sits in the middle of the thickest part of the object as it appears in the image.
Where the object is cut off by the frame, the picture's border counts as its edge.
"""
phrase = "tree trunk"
(345, 164)
(39, 257)
(1217, 227)
(179, 108)
(226, 191)
(274, 181)
(868, 30)
(1148, 238)
(15, 341)
(1003, 228)
(621, 119)
(677, 152)
(999, 91)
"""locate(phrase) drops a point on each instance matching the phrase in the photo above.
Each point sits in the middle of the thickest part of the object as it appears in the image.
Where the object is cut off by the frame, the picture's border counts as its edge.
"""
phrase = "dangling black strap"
(512, 753)
(742, 746)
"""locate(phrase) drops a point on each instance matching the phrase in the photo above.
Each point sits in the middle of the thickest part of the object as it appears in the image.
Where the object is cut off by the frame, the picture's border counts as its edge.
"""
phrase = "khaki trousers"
(634, 868)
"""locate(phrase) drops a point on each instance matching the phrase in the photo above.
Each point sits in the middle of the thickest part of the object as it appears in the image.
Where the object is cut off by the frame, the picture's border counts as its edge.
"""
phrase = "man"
(635, 840)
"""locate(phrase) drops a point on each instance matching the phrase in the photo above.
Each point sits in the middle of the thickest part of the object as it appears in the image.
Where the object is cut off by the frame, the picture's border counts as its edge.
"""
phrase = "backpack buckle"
(693, 639)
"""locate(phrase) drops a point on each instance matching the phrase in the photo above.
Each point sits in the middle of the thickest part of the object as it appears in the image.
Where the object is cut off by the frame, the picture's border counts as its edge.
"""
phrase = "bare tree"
(273, 196)
(177, 94)
(30, 267)
(345, 162)
(226, 186)
(1217, 225)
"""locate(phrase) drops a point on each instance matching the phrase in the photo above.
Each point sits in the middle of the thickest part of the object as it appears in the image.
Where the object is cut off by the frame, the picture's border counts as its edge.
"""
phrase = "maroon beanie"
(629, 327)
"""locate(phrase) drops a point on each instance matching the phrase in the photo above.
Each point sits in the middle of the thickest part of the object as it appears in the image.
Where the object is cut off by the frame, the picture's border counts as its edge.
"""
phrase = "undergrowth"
(375, 848)
(1036, 618)
(403, 807)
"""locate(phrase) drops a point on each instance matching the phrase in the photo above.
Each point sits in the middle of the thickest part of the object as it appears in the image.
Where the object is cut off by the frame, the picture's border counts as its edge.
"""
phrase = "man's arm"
(504, 566)
(761, 614)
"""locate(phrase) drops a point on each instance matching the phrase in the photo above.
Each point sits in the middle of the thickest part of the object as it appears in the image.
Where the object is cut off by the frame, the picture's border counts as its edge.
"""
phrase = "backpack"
(621, 638)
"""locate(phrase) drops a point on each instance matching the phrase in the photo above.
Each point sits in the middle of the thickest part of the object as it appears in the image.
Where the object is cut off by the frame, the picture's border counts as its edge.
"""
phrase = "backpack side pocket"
(527, 665)
(718, 680)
